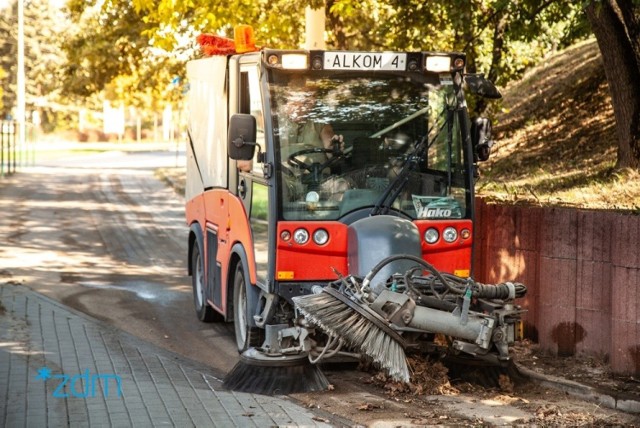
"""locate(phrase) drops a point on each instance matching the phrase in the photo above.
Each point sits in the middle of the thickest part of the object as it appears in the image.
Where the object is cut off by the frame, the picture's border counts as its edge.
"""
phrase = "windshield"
(346, 143)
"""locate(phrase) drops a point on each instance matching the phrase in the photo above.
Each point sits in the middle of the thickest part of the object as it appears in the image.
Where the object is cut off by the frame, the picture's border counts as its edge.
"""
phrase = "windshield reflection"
(342, 142)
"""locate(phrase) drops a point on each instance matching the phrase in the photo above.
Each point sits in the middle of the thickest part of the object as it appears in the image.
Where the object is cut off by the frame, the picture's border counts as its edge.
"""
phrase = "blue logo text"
(82, 385)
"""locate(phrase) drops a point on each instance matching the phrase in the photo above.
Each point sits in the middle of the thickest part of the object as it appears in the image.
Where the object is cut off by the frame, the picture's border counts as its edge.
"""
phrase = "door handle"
(242, 188)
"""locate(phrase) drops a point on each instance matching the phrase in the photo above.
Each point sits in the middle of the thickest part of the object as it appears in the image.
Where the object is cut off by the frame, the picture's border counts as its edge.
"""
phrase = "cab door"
(253, 182)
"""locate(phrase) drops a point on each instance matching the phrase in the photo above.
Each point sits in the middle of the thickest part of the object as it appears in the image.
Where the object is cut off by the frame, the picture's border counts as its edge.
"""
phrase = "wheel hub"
(257, 358)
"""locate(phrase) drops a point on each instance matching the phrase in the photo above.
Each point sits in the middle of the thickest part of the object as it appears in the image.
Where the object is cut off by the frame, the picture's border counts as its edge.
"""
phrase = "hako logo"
(81, 385)
(434, 212)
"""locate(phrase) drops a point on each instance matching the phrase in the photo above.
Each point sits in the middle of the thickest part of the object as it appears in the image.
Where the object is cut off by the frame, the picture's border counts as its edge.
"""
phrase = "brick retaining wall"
(582, 271)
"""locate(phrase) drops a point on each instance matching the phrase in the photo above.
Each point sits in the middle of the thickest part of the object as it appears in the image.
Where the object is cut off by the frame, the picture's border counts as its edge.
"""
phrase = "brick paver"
(156, 387)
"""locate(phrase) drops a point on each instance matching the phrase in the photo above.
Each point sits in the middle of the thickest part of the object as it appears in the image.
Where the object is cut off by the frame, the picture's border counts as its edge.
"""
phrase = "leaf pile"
(427, 378)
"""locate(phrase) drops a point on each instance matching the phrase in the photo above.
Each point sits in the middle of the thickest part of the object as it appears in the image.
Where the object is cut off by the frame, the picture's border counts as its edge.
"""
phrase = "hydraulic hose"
(505, 290)
(457, 285)
(372, 273)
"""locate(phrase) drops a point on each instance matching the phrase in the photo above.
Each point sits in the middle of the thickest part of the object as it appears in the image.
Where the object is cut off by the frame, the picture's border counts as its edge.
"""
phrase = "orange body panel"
(454, 257)
(240, 232)
(224, 213)
(310, 261)
(194, 210)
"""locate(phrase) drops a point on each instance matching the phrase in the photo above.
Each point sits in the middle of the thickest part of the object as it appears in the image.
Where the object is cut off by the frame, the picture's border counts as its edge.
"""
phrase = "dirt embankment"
(556, 141)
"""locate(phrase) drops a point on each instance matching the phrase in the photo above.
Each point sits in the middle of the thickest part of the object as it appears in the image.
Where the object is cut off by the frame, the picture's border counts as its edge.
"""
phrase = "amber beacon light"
(244, 39)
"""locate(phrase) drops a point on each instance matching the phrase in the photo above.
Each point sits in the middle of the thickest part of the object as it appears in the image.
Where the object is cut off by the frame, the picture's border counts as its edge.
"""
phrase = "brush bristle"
(337, 319)
(275, 380)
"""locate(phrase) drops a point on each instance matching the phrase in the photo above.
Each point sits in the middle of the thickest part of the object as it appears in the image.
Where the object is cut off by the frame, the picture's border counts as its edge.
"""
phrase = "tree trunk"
(623, 75)
(498, 46)
(496, 56)
(631, 17)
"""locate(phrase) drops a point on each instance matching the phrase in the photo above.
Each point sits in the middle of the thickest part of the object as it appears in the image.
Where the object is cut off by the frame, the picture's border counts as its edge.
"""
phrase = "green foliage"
(110, 47)
(111, 53)
(42, 27)
(105, 42)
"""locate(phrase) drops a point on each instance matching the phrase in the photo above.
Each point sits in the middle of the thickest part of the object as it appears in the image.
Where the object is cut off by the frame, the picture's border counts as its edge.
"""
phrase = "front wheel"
(246, 335)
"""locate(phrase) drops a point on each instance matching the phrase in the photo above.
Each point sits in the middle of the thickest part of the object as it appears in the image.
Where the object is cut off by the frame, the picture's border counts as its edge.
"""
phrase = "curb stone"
(582, 391)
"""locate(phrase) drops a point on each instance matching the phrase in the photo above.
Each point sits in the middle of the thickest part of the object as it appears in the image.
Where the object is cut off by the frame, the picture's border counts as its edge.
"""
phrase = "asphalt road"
(101, 234)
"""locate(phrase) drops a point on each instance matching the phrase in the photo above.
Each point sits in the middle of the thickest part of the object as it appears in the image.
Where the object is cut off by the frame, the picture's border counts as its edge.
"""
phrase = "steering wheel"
(315, 168)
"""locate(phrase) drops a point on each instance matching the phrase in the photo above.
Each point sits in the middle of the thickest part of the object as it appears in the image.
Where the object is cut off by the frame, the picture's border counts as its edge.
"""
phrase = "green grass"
(54, 154)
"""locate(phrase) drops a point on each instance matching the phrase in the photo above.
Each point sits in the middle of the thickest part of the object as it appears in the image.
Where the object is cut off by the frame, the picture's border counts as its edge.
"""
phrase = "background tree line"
(43, 59)
(132, 50)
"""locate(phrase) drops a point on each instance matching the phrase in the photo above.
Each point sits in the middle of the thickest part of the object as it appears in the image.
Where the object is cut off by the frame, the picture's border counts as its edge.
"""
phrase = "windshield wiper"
(384, 202)
(395, 187)
(401, 122)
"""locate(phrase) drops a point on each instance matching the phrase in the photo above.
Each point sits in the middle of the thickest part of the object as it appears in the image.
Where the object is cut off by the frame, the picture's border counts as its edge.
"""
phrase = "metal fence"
(13, 154)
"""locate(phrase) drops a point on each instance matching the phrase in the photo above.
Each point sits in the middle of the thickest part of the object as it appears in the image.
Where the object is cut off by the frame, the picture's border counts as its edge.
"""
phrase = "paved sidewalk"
(59, 367)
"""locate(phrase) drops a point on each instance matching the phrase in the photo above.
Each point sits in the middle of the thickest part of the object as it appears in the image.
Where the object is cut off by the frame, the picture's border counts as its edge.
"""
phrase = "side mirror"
(482, 86)
(241, 142)
(481, 138)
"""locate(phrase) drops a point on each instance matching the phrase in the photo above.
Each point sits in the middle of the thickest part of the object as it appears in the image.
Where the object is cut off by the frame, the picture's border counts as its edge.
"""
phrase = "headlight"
(301, 236)
(294, 61)
(431, 235)
(450, 234)
(438, 64)
(320, 236)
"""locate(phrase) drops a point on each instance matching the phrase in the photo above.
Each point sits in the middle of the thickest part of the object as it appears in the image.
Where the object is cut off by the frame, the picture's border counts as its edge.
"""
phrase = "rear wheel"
(204, 312)
(246, 336)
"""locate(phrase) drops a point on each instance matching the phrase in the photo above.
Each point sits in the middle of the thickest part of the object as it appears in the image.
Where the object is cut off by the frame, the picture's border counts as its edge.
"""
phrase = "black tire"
(204, 312)
(246, 336)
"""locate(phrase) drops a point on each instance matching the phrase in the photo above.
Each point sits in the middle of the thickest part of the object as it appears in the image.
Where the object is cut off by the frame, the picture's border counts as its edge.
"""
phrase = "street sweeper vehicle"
(329, 200)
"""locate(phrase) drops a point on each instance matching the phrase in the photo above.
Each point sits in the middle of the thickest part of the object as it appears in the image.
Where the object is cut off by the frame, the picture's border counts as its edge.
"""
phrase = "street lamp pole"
(314, 28)
(21, 107)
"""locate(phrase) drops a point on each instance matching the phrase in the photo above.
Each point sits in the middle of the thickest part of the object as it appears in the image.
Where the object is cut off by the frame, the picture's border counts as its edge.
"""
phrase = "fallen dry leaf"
(505, 383)
(368, 406)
